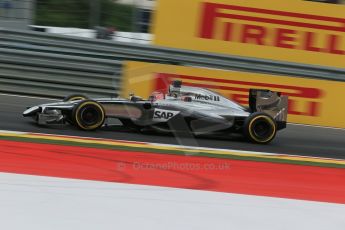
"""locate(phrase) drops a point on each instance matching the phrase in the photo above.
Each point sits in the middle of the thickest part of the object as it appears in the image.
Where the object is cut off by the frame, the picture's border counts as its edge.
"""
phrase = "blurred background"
(37, 29)
(103, 17)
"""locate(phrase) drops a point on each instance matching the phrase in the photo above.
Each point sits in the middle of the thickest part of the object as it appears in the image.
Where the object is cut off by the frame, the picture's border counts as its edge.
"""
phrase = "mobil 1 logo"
(207, 97)
(162, 115)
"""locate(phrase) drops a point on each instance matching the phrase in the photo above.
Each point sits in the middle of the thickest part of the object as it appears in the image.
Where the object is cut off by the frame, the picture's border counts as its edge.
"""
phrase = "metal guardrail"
(56, 73)
(120, 50)
(55, 65)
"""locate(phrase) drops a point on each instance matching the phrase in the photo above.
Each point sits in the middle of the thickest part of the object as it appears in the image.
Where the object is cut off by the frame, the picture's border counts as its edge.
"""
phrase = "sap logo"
(207, 97)
(164, 115)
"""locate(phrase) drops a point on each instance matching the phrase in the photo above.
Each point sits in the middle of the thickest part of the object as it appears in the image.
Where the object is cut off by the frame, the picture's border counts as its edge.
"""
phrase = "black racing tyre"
(260, 128)
(88, 115)
(75, 97)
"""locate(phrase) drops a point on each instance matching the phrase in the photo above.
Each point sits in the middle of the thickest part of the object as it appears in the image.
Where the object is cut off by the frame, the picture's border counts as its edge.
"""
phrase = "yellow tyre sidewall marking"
(269, 121)
(76, 98)
(81, 106)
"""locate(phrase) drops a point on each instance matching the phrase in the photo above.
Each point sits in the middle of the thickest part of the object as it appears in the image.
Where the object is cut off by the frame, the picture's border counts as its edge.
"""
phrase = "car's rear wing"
(272, 103)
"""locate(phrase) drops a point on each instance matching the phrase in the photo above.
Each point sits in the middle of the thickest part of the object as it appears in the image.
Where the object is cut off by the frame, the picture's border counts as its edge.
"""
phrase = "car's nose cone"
(31, 111)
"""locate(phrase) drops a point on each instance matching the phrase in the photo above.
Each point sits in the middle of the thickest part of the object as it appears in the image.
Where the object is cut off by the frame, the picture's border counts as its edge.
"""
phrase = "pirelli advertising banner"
(314, 102)
(285, 30)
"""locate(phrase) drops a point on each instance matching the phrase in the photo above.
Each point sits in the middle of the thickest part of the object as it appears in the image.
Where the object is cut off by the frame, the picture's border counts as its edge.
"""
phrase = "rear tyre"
(260, 128)
(75, 97)
(88, 115)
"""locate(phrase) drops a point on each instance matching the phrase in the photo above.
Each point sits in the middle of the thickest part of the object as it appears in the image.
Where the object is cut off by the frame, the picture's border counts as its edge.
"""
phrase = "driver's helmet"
(157, 95)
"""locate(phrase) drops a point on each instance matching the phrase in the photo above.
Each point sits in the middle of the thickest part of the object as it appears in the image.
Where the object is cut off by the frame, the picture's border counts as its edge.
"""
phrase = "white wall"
(141, 38)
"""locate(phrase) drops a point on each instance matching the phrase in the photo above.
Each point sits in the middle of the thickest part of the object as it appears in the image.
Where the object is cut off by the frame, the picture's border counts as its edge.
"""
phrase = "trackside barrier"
(100, 49)
(38, 73)
(311, 101)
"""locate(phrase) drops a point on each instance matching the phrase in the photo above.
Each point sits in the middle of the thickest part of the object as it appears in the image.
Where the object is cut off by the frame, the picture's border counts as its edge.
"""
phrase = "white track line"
(317, 126)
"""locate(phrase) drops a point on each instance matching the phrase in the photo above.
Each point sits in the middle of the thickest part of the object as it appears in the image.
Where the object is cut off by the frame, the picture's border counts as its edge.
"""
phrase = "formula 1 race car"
(181, 109)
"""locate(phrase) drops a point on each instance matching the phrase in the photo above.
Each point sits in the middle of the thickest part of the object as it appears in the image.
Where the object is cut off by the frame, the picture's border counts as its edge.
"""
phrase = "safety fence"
(53, 65)
(55, 75)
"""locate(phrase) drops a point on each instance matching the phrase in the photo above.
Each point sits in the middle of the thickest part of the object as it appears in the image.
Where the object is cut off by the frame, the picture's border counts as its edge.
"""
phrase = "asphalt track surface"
(294, 140)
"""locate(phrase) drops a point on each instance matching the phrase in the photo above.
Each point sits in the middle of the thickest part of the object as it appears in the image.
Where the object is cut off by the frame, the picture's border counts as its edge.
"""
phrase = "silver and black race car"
(180, 109)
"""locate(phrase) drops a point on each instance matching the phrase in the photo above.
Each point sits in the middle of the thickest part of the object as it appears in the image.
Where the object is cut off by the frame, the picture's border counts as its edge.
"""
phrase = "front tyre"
(88, 115)
(260, 128)
(71, 98)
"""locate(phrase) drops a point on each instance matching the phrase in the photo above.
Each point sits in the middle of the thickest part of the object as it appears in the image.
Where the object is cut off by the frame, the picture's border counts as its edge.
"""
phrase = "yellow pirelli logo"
(294, 31)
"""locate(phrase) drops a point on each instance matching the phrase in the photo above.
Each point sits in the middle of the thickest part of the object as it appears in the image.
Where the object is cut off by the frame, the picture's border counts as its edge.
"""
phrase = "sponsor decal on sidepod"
(162, 115)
